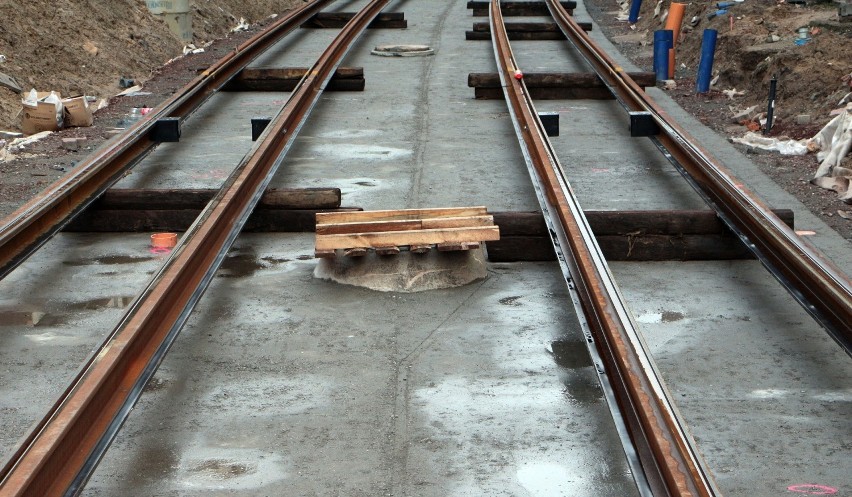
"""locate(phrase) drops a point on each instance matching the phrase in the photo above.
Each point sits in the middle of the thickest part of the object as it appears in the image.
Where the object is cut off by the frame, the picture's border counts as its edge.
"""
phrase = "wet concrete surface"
(465, 391)
(283, 384)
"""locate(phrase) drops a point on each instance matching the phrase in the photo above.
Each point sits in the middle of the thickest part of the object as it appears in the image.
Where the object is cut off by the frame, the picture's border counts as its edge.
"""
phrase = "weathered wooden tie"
(517, 9)
(553, 85)
(622, 235)
(385, 20)
(523, 31)
(286, 79)
(388, 232)
(627, 236)
(130, 210)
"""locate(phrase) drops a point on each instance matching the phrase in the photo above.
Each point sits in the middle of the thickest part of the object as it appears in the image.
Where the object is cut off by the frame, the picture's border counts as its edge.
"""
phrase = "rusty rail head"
(35, 222)
(62, 451)
(668, 460)
(814, 281)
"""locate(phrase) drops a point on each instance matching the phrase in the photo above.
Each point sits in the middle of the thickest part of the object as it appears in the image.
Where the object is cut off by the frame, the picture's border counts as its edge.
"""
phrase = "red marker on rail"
(519, 75)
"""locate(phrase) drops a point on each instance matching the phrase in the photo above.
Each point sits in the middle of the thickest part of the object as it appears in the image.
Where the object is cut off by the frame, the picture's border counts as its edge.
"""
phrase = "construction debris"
(785, 146)
(833, 144)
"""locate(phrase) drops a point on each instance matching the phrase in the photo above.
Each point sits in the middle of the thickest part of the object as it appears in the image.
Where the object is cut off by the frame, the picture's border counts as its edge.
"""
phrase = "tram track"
(60, 454)
(662, 457)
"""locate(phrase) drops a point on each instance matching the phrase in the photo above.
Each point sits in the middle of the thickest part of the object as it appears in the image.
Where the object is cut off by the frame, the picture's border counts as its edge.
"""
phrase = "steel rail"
(814, 281)
(34, 223)
(61, 454)
(667, 458)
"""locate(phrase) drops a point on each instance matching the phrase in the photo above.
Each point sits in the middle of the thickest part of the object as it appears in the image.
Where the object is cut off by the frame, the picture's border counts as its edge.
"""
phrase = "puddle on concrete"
(659, 317)
(53, 338)
(157, 384)
(32, 318)
(351, 133)
(274, 260)
(350, 151)
(222, 469)
(49, 318)
(228, 468)
(102, 303)
(108, 260)
(242, 265)
(365, 183)
(582, 389)
(571, 355)
(513, 301)
(545, 478)
(20, 318)
(151, 461)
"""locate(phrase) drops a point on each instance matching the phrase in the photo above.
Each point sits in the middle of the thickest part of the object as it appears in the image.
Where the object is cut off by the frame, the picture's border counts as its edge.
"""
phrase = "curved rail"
(816, 283)
(665, 461)
(34, 223)
(59, 456)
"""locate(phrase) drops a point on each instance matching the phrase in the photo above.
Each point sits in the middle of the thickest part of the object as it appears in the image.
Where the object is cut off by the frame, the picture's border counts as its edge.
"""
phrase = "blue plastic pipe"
(634, 11)
(663, 41)
(705, 67)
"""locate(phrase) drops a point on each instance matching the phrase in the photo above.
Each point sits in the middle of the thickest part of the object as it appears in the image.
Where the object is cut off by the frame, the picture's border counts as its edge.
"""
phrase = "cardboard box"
(77, 112)
(42, 116)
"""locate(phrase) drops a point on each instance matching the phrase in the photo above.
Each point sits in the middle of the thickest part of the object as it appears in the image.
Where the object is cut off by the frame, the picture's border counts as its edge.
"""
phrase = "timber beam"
(553, 86)
(523, 31)
(286, 79)
(622, 235)
(385, 20)
(692, 235)
(517, 9)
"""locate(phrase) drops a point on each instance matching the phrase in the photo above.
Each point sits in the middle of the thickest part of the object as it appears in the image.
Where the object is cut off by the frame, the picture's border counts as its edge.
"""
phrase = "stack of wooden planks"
(388, 232)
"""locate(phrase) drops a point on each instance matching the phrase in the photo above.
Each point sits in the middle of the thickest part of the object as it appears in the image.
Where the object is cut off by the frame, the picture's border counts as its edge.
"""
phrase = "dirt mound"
(81, 47)
(756, 41)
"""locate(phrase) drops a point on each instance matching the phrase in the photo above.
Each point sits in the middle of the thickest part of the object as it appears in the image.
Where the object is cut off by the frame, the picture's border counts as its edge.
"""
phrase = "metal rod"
(770, 108)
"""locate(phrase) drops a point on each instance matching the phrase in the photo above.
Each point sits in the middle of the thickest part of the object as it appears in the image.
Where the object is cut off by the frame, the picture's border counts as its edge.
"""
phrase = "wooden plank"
(623, 223)
(420, 248)
(555, 79)
(528, 27)
(549, 94)
(176, 199)
(296, 73)
(403, 225)
(399, 215)
(236, 84)
(261, 220)
(520, 249)
(457, 247)
(516, 4)
(385, 20)
(627, 248)
(355, 252)
(532, 27)
(509, 9)
(457, 222)
(515, 36)
(393, 250)
(403, 238)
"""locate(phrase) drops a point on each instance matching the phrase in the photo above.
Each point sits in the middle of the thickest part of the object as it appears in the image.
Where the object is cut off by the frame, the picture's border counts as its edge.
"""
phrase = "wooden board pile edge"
(389, 232)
